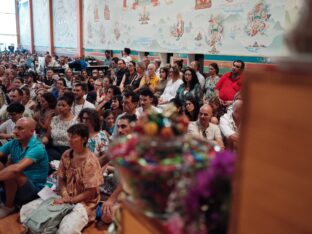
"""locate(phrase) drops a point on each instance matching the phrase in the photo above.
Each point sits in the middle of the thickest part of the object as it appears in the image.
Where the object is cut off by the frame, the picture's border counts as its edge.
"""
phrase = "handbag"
(47, 217)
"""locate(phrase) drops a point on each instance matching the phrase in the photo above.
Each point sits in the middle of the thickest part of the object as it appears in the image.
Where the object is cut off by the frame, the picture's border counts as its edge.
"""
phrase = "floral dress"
(98, 144)
(210, 84)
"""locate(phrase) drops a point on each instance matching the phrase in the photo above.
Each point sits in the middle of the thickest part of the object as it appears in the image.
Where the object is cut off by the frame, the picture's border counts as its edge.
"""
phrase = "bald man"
(26, 172)
(204, 128)
(151, 80)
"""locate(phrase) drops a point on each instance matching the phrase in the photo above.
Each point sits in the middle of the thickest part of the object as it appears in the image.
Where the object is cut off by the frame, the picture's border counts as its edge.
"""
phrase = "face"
(115, 104)
(17, 83)
(170, 72)
(15, 97)
(130, 67)
(110, 120)
(139, 69)
(151, 69)
(69, 73)
(49, 73)
(101, 73)
(91, 81)
(75, 141)
(110, 93)
(97, 85)
(95, 73)
(145, 102)
(123, 127)
(62, 60)
(22, 131)
(205, 114)
(237, 68)
(43, 103)
(63, 107)
(189, 106)
(84, 74)
(59, 85)
(162, 73)
(188, 76)
(78, 92)
(120, 64)
(212, 70)
(85, 119)
(128, 105)
(106, 82)
(15, 116)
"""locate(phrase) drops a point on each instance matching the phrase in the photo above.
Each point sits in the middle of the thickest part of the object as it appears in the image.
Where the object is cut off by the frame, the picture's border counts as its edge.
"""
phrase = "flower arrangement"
(207, 202)
(152, 161)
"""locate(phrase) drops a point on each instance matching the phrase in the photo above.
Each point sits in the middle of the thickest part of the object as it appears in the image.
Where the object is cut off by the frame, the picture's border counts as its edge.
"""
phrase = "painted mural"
(65, 23)
(24, 23)
(228, 27)
(41, 23)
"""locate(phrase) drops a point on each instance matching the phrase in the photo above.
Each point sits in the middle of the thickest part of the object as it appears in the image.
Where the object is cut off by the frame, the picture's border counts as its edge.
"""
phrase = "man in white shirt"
(15, 111)
(146, 102)
(200, 77)
(79, 91)
(204, 128)
(230, 123)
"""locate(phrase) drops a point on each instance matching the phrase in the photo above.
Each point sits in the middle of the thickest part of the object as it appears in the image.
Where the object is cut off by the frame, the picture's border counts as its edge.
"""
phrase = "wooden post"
(51, 42)
(18, 35)
(80, 29)
(32, 47)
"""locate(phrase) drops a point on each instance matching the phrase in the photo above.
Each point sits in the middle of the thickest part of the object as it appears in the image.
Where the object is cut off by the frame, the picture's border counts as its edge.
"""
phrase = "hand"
(108, 206)
(58, 201)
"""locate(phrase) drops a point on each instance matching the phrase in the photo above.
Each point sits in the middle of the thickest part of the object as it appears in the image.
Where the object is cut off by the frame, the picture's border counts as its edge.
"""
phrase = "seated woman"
(108, 122)
(191, 108)
(98, 141)
(79, 179)
(57, 132)
(116, 106)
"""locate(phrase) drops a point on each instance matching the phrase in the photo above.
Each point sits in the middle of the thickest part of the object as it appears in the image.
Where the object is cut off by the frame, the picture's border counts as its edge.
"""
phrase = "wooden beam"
(32, 47)
(51, 33)
(80, 29)
(18, 35)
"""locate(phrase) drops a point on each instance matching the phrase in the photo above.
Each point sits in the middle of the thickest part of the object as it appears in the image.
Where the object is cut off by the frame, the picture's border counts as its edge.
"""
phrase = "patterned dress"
(98, 144)
(210, 84)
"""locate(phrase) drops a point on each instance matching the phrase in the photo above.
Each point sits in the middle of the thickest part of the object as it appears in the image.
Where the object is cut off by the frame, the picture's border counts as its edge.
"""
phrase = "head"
(48, 59)
(190, 77)
(130, 101)
(116, 102)
(80, 89)
(69, 73)
(238, 67)
(90, 117)
(125, 124)
(30, 77)
(157, 63)
(50, 73)
(163, 72)
(48, 100)
(108, 53)
(26, 95)
(95, 73)
(237, 110)
(146, 61)
(195, 65)
(115, 62)
(131, 66)
(64, 103)
(205, 115)
(140, 68)
(24, 129)
(191, 105)
(127, 51)
(18, 82)
(16, 95)
(121, 64)
(174, 72)
(108, 118)
(61, 84)
(213, 69)
(62, 60)
(151, 68)
(15, 111)
(84, 74)
(113, 90)
(78, 135)
(106, 82)
(179, 64)
(98, 84)
(146, 98)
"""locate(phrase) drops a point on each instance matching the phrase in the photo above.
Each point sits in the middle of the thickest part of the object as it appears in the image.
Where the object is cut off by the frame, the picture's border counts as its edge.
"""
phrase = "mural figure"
(117, 31)
(198, 39)
(106, 12)
(137, 3)
(215, 31)
(202, 4)
(144, 16)
(257, 19)
(177, 30)
(96, 13)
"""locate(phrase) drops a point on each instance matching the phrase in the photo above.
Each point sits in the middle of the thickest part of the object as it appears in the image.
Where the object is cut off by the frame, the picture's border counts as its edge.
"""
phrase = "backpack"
(47, 217)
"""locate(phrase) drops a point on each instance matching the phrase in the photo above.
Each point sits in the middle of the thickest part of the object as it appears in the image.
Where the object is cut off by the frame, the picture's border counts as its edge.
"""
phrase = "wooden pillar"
(80, 29)
(18, 35)
(51, 33)
(32, 47)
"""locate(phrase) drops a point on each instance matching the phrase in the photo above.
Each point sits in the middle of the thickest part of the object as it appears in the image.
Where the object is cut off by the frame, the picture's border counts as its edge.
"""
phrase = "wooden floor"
(11, 225)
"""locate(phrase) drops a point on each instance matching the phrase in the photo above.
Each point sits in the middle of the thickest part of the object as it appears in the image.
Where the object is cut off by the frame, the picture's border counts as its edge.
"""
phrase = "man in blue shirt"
(26, 172)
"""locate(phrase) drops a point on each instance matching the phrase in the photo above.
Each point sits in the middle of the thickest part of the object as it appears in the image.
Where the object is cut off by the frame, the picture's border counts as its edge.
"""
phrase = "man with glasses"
(230, 83)
(203, 128)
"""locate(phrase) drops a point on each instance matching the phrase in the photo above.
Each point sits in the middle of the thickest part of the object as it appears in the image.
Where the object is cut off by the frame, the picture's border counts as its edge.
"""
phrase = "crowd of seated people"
(74, 116)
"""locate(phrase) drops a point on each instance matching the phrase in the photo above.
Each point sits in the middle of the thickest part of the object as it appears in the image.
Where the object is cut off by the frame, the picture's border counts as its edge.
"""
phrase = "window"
(7, 24)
